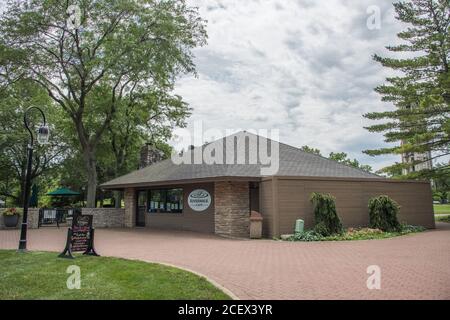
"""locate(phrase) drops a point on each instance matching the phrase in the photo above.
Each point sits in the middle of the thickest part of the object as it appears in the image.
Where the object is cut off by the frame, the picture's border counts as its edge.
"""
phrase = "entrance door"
(141, 208)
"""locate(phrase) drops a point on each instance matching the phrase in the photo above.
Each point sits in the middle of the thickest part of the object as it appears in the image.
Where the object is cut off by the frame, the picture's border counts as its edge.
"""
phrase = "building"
(218, 198)
(418, 161)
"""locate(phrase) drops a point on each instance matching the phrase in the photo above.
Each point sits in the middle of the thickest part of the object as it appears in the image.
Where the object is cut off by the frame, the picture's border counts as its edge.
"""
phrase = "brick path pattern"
(412, 267)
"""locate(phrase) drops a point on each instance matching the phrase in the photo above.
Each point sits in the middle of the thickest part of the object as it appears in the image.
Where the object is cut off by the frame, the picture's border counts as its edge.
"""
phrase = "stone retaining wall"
(33, 219)
(106, 217)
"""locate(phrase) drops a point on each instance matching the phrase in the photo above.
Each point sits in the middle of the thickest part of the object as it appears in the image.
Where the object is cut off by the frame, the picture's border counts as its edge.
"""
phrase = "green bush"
(443, 219)
(327, 220)
(321, 229)
(309, 235)
(383, 214)
(407, 228)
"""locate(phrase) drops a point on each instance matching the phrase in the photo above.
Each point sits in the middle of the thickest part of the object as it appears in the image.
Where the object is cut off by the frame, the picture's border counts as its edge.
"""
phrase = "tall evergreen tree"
(421, 93)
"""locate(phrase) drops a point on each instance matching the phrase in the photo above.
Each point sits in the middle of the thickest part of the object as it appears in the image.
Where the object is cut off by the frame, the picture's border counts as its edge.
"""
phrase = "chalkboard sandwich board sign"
(80, 237)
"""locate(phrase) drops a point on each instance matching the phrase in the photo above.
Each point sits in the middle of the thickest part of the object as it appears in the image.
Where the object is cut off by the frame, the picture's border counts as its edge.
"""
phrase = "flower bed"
(355, 234)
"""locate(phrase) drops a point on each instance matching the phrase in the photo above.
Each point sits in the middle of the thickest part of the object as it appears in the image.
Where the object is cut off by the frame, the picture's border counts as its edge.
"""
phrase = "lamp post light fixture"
(42, 138)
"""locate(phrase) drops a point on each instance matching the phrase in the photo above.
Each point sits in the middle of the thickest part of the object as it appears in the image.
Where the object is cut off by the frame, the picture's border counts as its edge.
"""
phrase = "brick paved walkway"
(413, 267)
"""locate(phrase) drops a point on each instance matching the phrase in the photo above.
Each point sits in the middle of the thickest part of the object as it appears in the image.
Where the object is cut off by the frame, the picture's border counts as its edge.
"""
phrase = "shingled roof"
(292, 162)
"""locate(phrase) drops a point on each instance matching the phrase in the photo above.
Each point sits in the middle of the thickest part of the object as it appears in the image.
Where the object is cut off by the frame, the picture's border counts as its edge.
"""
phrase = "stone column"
(232, 208)
(33, 218)
(130, 207)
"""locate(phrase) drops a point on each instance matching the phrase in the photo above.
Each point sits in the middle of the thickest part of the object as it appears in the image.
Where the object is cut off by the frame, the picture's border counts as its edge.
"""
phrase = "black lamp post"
(42, 138)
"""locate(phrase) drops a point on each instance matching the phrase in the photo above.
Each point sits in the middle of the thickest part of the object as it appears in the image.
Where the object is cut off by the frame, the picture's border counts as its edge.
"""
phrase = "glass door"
(141, 208)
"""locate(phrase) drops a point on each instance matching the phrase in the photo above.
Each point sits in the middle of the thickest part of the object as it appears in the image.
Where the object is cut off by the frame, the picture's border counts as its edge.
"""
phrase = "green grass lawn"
(42, 275)
(442, 208)
(443, 218)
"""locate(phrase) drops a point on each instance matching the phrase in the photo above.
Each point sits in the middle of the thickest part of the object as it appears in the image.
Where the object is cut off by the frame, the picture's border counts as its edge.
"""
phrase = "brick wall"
(232, 209)
(33, 219)
(106, 217)
(130, 208)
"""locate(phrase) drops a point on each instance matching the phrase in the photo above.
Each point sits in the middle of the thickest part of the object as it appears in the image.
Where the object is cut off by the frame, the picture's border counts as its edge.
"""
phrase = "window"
(165, 201)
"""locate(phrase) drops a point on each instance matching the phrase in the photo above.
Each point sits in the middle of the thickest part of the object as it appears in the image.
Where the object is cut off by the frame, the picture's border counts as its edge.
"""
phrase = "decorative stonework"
(130, 207)
(33, 218)
(106, 217)
(232, 209)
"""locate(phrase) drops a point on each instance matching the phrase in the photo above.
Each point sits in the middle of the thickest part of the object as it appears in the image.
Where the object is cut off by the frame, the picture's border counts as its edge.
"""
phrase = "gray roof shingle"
(292, 162)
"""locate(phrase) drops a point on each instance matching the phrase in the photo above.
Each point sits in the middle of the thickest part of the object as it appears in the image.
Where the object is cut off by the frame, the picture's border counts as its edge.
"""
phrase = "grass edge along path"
(42, 275)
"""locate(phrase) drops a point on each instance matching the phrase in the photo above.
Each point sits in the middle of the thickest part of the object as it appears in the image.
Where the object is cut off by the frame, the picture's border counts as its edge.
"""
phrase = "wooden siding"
(352, 198)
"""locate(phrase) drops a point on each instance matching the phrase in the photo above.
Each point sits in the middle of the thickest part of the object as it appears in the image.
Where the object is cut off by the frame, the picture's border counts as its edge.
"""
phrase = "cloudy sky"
(301, 66)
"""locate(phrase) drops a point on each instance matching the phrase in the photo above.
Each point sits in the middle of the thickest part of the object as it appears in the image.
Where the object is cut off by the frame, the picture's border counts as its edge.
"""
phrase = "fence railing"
(52, 216)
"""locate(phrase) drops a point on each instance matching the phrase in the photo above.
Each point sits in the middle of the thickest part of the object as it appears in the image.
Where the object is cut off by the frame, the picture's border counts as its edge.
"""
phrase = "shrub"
(309, 235)
(327, 220)
(407, 228)
(321, 229)
(443, 219)
(383, 214)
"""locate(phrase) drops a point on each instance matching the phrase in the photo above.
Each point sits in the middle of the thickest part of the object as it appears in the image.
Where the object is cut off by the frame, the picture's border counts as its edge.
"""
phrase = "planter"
(11, 221)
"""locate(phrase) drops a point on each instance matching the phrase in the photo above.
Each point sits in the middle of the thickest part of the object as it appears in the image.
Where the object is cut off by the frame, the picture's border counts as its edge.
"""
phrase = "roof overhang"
(176, 182)
(316, 178)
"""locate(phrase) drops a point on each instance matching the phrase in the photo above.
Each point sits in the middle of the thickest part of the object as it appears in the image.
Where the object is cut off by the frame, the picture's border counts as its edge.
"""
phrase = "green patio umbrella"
(62, 197)
(63, 192)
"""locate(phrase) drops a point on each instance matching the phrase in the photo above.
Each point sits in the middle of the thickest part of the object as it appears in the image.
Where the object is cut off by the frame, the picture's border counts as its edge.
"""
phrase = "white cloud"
(303, 67)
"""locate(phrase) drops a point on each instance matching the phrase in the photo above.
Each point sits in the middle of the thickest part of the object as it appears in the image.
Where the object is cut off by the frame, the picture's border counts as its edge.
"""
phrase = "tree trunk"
(91, 170)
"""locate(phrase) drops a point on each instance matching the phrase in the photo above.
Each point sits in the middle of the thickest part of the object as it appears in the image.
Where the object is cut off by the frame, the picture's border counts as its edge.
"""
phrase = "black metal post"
(26, 196)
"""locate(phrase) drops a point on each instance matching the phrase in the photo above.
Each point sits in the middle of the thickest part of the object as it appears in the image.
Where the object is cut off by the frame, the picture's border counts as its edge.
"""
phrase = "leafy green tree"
(90, 70)
(341, 157)
(421, 92)
(146, 117)
(14, 100)
(310, 150)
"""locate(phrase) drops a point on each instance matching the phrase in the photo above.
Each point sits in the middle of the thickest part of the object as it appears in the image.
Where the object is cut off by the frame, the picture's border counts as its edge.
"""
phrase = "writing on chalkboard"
(80, 237)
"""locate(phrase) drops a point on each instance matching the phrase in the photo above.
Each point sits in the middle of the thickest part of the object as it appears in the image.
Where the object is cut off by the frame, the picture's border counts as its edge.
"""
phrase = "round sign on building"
(199, 200)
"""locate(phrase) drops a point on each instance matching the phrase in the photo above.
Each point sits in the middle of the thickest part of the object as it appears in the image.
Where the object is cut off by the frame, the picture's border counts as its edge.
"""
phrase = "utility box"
(299, 225)
(255, 225)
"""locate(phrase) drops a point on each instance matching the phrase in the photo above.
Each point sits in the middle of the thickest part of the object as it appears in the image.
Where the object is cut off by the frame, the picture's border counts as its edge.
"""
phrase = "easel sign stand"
(80, 237)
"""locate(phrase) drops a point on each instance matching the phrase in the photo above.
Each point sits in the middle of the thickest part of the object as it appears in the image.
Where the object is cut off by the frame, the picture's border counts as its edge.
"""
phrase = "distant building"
(424, 158)
(411, 157)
